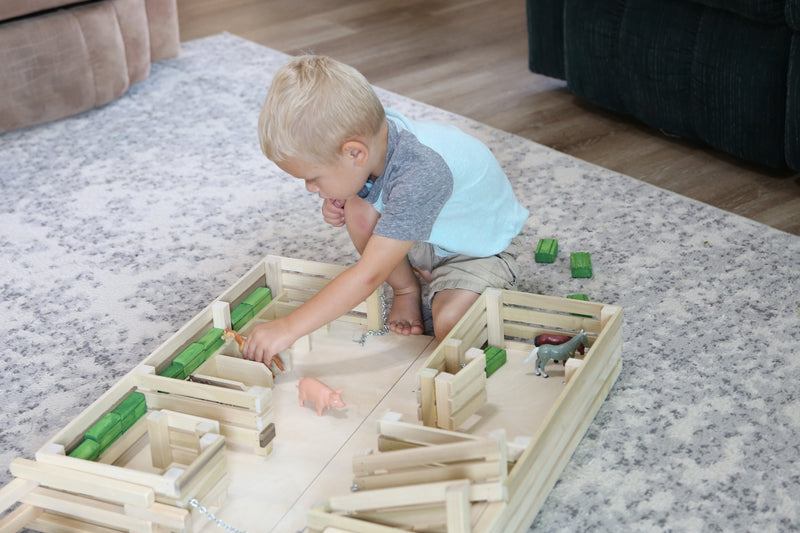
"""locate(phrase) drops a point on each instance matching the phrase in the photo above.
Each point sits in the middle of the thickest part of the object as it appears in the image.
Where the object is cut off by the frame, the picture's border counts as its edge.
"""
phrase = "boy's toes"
(400, 327)
(404, 327)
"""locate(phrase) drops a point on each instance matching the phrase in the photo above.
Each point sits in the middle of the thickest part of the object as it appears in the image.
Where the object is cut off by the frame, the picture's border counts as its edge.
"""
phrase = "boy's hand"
(267, 340)
(333, 212)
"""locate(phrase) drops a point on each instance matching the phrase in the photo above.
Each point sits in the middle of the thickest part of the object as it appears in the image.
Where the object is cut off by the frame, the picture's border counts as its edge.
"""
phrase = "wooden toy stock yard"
(196, 438)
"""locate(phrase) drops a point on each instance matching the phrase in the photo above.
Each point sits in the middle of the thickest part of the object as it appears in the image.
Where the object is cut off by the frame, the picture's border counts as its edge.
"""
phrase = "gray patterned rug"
(122, 223)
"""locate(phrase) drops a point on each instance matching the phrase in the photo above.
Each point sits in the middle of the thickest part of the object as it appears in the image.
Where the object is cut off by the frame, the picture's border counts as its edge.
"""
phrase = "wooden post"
(158, 433)
(427, 387)
(494, 318)
(272, 268)
(459, 508)
(221, 311)
(453, 355)
(443, 389)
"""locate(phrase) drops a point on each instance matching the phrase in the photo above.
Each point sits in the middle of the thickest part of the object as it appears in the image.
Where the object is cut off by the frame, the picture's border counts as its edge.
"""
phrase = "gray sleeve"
(418, 185)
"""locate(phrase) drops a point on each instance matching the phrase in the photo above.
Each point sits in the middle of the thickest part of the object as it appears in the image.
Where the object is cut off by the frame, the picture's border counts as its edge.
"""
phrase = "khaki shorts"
(465, 272)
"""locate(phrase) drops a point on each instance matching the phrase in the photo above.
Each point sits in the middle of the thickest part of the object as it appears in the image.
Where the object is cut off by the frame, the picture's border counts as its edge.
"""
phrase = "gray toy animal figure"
(560, 352)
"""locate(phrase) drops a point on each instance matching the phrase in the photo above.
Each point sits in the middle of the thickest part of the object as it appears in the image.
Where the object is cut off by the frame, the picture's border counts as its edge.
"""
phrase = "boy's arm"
(380, 257)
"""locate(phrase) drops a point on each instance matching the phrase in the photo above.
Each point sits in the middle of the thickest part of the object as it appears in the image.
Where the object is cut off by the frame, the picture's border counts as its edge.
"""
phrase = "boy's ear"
(355, 151)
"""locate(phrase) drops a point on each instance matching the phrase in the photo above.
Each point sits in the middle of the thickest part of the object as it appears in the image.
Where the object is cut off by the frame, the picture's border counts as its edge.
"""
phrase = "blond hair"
(314, 105)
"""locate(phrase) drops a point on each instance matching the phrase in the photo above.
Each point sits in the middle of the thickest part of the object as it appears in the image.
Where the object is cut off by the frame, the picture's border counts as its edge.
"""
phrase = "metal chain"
(218, 521)
(376, 332)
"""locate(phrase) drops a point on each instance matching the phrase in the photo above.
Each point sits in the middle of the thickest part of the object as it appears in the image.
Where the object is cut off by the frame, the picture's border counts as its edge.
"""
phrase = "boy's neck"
(379, 146)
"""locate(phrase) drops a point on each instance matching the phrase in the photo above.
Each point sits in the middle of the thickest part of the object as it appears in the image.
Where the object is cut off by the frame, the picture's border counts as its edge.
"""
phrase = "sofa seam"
(72, 14)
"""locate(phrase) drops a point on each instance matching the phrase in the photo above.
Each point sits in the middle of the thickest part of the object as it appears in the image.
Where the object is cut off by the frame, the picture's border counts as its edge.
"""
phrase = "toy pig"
(323, 396)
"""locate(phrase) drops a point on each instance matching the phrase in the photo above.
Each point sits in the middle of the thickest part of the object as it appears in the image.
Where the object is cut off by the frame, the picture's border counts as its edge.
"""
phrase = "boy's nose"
(310, 187)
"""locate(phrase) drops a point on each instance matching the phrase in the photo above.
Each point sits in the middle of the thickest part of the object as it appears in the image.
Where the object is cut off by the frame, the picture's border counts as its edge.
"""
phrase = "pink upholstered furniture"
(62, 57)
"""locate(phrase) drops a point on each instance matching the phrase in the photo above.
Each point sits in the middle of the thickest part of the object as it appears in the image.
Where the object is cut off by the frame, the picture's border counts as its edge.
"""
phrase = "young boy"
(413, 196)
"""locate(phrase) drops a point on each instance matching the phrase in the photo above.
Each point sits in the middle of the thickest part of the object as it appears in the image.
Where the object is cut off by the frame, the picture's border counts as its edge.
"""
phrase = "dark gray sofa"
(726, 72)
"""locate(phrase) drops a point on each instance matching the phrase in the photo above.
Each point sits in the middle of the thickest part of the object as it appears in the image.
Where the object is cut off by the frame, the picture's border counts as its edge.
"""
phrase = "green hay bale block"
(141, 410)
(188, 356)
(495, 358)
(546, 251)
(241, 315)
(88, 449)
(130, 404)
(131, 409)
(496, 362)
(493, 352)
(259, 299)
(490, 351)
(581, 263)
(174, 371)
(105, 431)
(581, 297)
(212, 340)
(191, 367)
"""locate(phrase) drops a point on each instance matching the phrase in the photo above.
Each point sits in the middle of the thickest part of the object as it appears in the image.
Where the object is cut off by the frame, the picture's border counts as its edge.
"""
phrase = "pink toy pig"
(323, 396)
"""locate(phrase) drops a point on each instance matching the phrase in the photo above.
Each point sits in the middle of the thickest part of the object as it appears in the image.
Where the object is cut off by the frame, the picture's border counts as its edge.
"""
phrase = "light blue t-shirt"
(444, 187)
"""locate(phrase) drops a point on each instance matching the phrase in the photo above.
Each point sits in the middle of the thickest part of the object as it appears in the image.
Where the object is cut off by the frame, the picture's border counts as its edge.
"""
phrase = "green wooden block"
(496, 362)
(88, 449)
(546, 251)
(241, 315)
(499, 354)
(491, 351)
(495, 358)
(581, 263)
(581, 297)
(194, 365)
(212, 340)
(131, 409)
(174, 371)
(130, 404)
(259, 299)
(105, 431)
(187, 357)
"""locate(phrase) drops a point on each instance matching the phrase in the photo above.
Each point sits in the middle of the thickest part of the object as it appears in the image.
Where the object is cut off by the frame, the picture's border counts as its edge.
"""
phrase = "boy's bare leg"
(405, 316)
(448, 307)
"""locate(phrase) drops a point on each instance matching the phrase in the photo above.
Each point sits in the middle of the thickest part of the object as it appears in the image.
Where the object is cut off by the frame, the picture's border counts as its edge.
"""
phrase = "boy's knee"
(360, 216)
(442, 325)
(448, 307)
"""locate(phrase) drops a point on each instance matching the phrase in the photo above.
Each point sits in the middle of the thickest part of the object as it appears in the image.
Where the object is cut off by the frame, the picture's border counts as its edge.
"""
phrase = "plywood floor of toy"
(312, 455)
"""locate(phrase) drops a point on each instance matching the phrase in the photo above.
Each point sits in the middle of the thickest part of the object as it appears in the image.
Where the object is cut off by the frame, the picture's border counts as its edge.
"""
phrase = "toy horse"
(561, 352)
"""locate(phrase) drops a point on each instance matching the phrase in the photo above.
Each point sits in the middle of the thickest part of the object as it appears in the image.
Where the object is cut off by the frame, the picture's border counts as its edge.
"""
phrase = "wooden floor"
(470, 57)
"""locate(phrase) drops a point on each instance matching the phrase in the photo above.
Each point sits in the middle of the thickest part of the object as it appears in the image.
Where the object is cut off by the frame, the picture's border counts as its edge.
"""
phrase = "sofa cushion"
(766, 11)
(546, 37)
(133, 28)
(793, 106)
(683, 67)
(17, 8)
(162, 15)
(69, 61)
(793, 14)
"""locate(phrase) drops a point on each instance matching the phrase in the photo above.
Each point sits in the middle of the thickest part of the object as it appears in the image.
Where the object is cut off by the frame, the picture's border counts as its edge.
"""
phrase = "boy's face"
(340, 181)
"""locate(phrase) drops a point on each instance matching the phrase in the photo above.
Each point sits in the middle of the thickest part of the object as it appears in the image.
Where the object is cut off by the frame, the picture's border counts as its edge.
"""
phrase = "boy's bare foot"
(405, 317)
